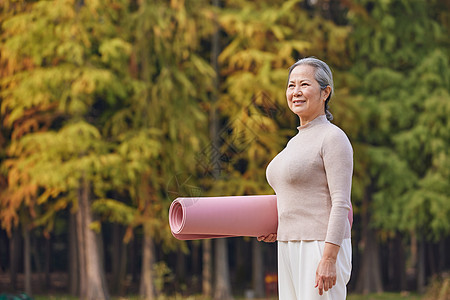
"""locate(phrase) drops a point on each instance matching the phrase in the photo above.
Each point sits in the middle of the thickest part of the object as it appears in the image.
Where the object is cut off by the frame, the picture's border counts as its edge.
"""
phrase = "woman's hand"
(326, 271)
(270, 238)
(325, 275)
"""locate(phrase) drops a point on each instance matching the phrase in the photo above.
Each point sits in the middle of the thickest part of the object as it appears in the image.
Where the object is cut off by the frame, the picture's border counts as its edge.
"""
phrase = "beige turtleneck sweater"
(312, 179)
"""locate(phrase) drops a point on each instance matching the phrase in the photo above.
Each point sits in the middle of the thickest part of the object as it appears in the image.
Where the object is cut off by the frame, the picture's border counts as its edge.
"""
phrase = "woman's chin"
(297, 110)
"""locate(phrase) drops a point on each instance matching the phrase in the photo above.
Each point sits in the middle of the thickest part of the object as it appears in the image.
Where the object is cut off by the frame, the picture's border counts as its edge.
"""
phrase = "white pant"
(297, 265)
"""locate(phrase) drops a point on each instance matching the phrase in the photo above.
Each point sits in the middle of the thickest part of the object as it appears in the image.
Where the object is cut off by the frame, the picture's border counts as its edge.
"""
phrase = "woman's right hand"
(270, 238)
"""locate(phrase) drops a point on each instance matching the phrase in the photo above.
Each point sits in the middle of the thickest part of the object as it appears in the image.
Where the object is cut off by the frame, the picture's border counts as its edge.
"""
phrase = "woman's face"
(303, 94)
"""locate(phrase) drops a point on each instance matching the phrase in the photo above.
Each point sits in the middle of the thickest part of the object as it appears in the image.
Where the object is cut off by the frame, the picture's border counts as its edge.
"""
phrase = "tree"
(115, 101)
(111, 109)
(168, 43)
(74, 59)
(395, 59)
(11, 198)
(261, 40)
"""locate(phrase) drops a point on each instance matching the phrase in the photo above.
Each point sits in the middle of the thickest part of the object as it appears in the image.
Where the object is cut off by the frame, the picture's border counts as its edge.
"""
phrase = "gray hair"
(323, 76)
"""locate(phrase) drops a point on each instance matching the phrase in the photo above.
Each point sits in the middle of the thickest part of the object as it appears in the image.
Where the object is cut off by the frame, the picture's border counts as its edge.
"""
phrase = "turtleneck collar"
(321, 119)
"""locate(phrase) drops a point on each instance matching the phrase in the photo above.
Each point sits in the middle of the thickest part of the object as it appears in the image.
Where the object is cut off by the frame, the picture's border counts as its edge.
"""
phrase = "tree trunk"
(74, 262)
(123, 268)
(14, 252)
(195, 269)
(222, 289)
(180, 271)
(92, 276)
(242, 263)
(81, 248)
(399, 263)
(115, 258)
(432, 268)
(118, 259)
(207, 267)
(27, 260)
(147, 289)
(48, 255)
(369, 279)
(4, 245)
(442, 256)
(133, 261)
(421, 266)
(34, 255)
(257, 269)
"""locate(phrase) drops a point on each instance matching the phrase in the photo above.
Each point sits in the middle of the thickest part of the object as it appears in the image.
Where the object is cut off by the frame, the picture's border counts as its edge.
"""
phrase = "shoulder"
(333, 133)
(335, 139)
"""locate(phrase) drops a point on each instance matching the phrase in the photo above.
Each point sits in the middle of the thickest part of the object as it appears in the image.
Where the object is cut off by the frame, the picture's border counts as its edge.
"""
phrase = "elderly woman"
(312, 179)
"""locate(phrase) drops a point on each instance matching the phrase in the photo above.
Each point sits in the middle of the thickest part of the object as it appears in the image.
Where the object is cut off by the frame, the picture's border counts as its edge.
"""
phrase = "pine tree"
(76, 57)
(260, 41)
(167, 40)
(398, 53)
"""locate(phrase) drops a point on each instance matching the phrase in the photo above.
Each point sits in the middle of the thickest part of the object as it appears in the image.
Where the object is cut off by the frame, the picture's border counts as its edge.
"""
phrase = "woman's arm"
(337, 154)
(338, 162)
(326, 271)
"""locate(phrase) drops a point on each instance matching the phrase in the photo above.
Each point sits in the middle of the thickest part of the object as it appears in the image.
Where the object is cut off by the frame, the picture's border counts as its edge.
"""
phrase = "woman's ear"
(326, 92)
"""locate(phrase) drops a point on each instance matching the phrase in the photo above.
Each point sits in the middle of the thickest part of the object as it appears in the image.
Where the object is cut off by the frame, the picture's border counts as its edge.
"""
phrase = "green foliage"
(120, 93)
(76, 78)
(406, 126)
(163, 275)
(110, 92)
(167, 47)
(262, 40)
(114, 211)
(394, 33)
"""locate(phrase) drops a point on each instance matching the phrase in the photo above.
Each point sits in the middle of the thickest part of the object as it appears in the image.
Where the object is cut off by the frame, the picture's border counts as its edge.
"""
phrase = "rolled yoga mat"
(216, 217)
(230, 216)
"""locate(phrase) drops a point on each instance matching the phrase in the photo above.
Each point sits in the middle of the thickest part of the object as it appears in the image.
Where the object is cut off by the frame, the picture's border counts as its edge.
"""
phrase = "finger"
(320, 286)
(325, 285)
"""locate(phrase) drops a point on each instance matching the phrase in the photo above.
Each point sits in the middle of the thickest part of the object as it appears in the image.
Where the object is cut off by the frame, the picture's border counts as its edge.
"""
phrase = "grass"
(385, 296)
(382, 296)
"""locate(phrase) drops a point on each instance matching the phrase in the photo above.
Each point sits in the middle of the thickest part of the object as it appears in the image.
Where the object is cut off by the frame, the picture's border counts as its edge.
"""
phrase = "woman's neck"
(306, 120)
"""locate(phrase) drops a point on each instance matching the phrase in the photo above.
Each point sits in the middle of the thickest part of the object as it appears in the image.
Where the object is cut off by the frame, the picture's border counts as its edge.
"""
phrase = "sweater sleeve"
(338, 162)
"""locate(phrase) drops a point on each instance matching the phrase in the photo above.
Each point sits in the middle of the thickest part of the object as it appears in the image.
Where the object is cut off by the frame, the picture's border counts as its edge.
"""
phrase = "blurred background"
(112, 109)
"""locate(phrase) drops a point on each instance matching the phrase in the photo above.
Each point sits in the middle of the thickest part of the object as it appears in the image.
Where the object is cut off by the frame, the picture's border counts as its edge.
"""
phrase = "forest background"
(112, 109)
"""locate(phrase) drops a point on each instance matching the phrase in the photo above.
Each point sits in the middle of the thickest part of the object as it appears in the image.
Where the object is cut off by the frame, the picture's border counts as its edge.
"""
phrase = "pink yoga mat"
(217, 217)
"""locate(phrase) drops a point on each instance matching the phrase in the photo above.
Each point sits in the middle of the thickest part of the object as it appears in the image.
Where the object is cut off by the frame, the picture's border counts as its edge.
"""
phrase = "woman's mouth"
(298, 102)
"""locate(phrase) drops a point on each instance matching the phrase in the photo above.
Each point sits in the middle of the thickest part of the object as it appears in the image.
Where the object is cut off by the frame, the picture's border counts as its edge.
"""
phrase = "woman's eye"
(305, 84)
(291, 86)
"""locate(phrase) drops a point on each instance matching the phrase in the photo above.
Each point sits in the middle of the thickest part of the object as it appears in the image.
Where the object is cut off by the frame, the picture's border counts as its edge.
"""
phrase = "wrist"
(331, 259)
(330, 252)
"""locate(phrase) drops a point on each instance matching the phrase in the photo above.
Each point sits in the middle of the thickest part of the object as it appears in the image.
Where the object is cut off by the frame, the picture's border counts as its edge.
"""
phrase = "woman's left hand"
(325, 275)
(270, 238)
(326, 271)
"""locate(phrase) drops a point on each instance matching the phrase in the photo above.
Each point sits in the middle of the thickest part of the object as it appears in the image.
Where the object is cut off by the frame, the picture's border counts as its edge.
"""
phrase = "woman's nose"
(297, 91)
